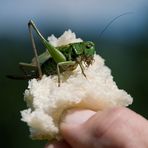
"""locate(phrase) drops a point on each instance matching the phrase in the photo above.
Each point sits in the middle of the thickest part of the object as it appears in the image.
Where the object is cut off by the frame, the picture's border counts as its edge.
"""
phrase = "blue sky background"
(79, 15)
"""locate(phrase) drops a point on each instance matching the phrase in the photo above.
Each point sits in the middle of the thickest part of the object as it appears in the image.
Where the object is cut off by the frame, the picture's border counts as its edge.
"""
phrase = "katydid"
(57, 59)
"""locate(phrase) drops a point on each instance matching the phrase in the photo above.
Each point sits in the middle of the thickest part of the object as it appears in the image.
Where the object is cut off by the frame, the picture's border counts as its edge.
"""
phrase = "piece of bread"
(47, 102)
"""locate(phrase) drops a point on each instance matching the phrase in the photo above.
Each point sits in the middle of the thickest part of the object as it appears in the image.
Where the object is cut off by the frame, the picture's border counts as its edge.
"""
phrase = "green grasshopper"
(57, 59)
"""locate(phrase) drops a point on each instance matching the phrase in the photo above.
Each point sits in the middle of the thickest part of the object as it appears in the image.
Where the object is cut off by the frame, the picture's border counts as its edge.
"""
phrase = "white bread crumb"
(47, 102)
(66, 38)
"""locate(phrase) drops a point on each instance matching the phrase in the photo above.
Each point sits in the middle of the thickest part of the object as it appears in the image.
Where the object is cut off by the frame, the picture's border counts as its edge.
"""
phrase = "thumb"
(72, 128)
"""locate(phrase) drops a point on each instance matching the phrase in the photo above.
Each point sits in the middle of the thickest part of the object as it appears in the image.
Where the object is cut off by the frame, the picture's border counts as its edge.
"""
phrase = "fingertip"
(72, 127)
(77, 116)
(73, 121)
(60, 144)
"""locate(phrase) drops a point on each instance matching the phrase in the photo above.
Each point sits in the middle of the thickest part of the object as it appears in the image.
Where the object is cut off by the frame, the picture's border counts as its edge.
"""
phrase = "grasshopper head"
(89, 51)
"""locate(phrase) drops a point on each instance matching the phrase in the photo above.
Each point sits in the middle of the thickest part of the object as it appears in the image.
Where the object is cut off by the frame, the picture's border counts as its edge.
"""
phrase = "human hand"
(111, 128)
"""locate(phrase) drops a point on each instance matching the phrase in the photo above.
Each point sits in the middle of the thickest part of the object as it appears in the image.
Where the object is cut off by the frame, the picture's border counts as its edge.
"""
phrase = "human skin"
(117, 127)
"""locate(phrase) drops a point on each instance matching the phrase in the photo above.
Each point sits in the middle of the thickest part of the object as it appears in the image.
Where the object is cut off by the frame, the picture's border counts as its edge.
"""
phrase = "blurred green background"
(124, 46)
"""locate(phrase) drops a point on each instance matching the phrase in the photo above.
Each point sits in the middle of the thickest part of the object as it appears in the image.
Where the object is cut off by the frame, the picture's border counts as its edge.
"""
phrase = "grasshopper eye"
(88, 46)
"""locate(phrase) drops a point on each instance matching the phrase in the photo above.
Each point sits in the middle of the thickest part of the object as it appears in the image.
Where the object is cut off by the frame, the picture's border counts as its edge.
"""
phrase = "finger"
(72, 127)
(104, 128)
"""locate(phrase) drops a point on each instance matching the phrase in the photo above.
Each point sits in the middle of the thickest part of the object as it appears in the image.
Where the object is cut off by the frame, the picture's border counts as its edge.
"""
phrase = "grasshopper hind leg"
(29, 70)
(30, 24)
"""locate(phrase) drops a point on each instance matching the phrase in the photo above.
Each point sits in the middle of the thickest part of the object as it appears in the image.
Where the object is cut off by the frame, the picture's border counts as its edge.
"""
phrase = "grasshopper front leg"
(82, 68)
(79, 61)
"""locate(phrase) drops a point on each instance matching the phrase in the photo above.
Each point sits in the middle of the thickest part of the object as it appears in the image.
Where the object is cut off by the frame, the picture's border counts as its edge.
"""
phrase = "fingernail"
(49, 146)
(77, 116)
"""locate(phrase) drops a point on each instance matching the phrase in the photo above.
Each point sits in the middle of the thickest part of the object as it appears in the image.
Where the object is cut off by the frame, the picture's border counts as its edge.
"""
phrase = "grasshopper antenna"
(123, 14)
(30, 24)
